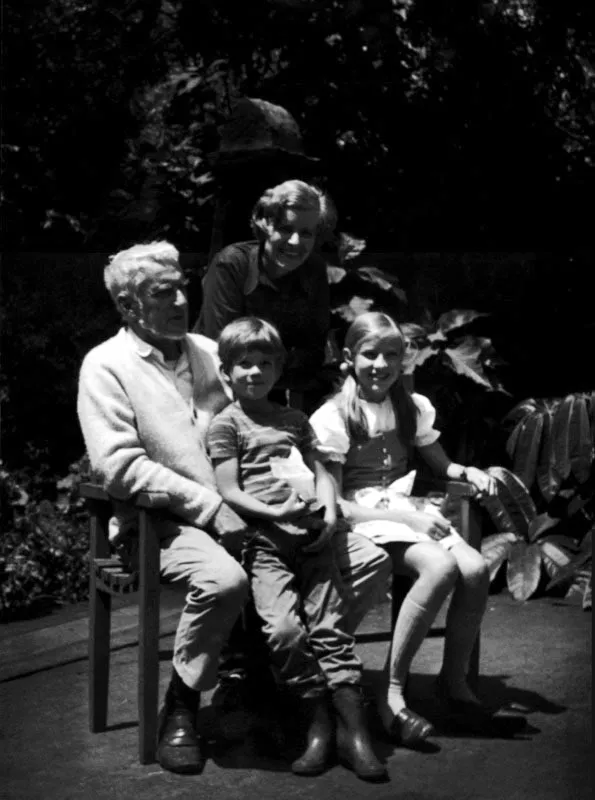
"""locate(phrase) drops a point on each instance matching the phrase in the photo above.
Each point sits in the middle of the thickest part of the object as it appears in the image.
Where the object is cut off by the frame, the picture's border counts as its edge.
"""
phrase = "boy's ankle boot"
(179, 748)
(319, 738)
(354, 745)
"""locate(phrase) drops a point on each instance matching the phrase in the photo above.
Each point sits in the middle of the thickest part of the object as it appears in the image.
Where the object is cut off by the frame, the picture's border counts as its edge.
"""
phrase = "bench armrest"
(147, 500)
(453, 488)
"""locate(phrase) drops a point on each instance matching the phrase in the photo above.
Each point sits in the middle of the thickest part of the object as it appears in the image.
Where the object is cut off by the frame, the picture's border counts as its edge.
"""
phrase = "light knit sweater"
(139, 432)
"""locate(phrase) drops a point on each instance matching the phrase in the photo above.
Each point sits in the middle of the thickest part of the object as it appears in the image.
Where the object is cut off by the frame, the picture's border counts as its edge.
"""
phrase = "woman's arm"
(438, 461)
(226, 475)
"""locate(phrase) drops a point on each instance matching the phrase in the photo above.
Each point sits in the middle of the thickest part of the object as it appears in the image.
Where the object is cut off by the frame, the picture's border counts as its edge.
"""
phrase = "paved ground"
(536, 656)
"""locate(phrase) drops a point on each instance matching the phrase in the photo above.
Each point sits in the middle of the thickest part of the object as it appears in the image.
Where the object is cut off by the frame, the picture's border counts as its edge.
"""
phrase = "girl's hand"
(293, 507)
(329, 524)
(433, 525)
(483, 482)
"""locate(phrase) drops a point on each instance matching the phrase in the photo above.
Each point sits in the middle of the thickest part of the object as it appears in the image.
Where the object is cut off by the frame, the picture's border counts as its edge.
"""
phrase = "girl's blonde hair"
(377, 324)
(292, 194)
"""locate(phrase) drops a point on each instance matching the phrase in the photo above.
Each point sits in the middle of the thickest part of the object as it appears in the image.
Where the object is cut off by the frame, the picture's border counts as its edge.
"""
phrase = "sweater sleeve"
(117, 455)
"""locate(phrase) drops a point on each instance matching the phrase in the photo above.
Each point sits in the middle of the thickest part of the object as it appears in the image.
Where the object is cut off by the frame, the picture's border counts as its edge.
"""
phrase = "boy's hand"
(293, 507)
(327, 526)
(482, 481)
(229, 528)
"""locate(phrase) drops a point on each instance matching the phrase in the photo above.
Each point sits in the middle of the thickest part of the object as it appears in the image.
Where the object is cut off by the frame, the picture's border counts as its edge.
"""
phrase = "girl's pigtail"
(406, 411)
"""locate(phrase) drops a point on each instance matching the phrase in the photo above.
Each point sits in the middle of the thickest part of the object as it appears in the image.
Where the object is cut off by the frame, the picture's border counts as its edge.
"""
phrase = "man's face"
(160, 308)
(290, 241)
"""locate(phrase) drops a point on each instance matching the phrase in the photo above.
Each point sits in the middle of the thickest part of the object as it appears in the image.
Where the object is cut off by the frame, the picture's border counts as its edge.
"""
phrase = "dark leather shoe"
(180, 748)
(476, 719)
(409, 729)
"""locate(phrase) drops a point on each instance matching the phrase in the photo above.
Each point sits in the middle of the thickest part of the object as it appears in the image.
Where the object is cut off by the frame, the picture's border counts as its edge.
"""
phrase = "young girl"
(367, 432)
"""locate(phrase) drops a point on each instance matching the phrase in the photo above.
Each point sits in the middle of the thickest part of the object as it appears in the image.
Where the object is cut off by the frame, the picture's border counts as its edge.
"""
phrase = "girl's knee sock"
(413, 623)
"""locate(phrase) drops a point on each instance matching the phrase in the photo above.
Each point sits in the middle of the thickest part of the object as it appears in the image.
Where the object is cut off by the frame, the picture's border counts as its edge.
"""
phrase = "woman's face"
(290, 241)
(377, 365)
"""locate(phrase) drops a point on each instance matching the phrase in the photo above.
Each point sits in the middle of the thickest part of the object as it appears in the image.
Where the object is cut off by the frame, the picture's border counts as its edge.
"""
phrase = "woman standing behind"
(367, 432)
(278, 277)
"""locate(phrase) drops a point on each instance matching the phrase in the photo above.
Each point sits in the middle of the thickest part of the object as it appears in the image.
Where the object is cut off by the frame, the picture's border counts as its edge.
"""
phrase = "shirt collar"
(257, 276)
(146, 350)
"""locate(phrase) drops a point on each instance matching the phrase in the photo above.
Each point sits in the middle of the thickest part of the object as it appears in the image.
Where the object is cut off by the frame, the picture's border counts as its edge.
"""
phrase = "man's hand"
(229, 528)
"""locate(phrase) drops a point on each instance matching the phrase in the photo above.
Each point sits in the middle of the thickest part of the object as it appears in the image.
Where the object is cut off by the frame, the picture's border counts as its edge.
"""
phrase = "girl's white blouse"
(333, 437)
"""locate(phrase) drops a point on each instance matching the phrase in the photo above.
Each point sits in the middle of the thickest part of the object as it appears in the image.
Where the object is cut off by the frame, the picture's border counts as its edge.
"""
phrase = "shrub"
(44, 544)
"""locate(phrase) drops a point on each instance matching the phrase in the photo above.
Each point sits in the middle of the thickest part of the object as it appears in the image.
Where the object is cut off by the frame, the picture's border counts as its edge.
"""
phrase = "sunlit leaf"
(355, 307)
(520, 411)
(464, 359)
(513, 493)
(335, 274)
(457, 318)
(385, 281)
(495, 549)
(523, 570)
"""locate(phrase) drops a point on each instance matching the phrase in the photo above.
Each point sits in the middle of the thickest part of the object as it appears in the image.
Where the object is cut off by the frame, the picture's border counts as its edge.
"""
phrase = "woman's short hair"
(245, 334)
(292, 194)
(127, 269)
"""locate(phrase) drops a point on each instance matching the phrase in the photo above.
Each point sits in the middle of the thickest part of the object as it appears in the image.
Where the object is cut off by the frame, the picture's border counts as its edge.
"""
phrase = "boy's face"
(254, 375)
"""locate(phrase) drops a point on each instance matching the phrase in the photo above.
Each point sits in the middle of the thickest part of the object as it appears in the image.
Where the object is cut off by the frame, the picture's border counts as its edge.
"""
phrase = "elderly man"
(146, 398)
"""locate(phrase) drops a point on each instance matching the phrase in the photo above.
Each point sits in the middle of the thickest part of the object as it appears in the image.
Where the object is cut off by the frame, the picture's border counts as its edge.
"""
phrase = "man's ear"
(127, 307)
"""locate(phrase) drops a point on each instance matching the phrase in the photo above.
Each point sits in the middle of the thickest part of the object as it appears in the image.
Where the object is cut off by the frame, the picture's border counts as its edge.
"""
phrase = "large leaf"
(555, 558)
(560, 434)
(527, 448)
(569, 570)
(456, 318)
(520, 411)
(540, 525)
(499, 514)
(523, 570)
(580, 447)
(465, 359)
(495, 549)
(513, 493)
(548, 478)
(512, 440)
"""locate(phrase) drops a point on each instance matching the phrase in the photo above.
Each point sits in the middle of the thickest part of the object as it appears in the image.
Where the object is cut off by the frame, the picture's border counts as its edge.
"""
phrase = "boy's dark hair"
(245, 334)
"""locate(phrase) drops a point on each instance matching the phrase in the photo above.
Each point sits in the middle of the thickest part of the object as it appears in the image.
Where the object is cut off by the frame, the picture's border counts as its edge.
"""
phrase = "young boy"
(295, 582)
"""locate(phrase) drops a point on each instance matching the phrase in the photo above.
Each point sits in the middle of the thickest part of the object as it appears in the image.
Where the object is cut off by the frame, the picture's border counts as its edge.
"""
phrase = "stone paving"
(535, 657)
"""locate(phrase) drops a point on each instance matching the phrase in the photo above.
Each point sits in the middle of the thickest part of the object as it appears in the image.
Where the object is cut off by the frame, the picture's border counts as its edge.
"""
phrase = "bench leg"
(148, 642)
(99, 655)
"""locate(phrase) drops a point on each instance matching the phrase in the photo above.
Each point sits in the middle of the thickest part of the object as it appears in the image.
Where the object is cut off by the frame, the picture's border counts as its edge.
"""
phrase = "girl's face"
(377, 364)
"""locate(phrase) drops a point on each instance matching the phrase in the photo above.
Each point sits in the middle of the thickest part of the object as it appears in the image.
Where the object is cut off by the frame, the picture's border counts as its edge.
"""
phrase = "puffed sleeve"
(426, 433)
(331, 432)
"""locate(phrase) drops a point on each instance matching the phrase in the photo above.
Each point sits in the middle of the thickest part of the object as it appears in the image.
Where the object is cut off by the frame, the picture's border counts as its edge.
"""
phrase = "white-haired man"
(146, 398)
